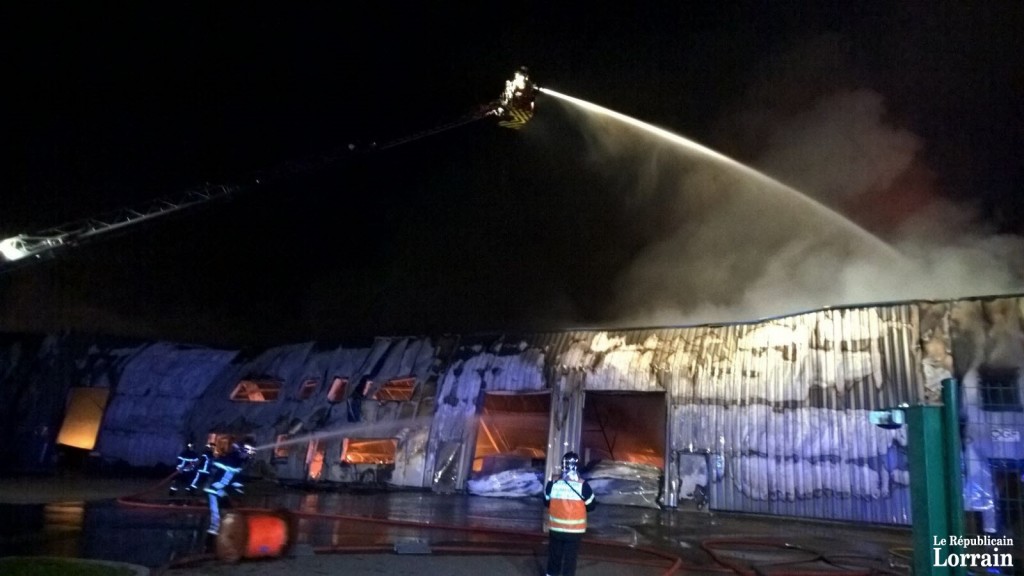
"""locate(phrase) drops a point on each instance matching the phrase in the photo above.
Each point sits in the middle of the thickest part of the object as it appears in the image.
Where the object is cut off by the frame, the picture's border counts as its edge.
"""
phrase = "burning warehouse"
(768, 417)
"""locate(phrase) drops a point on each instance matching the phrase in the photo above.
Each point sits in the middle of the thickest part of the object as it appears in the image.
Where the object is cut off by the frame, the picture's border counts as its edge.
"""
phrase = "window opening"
(257, 390)
(339, 387)
(315, 459)
(396, 390)
(282, 449)
(308, 388)
(368, 450)
(998, 390)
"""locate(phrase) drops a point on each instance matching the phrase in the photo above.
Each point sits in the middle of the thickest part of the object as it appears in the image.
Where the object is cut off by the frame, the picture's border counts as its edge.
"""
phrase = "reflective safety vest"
(567, 512)
(224, 470)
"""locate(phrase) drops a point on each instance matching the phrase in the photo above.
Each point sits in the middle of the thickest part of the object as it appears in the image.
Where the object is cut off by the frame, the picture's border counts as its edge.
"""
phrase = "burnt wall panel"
(782, 406)
(987, 338)
(776, 408)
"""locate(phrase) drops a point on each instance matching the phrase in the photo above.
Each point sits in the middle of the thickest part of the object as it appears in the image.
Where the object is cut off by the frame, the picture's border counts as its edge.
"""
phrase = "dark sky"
(476, 228)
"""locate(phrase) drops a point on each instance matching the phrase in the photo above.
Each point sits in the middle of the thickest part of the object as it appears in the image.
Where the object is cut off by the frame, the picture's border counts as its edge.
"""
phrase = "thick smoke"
(729, 247)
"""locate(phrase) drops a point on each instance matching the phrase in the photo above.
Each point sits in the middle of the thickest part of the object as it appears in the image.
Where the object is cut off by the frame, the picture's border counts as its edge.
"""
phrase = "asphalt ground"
(364, 532)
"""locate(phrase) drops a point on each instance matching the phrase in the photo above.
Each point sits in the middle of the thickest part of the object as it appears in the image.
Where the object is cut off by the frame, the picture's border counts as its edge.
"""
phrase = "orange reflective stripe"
(568, 515)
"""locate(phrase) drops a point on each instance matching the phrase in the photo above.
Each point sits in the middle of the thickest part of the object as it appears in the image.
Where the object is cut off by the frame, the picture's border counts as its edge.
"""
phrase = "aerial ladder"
(513, 109)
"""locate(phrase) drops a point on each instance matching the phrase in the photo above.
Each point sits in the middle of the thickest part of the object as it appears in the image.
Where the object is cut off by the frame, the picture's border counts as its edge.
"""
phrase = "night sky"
(906, 117)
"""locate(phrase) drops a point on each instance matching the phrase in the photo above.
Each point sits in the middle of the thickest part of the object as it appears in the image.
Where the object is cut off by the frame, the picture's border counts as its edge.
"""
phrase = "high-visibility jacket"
(187, 460)
(223, 472)
(568, 500)
(205, 461)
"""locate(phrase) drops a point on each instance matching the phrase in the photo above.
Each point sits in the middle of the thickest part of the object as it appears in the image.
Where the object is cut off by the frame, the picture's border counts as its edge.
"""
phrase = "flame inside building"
(512, 431)
(624, 428)
(765, 417)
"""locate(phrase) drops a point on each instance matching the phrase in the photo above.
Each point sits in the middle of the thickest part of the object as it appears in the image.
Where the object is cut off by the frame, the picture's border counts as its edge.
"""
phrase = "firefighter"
(224, 477)
(515, 107)
(186, 467)
(203, 468)
(568, 499)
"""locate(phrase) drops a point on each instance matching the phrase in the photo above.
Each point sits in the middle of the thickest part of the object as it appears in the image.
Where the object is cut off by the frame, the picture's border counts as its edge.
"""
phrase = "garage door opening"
(623, 446)
(511, 444)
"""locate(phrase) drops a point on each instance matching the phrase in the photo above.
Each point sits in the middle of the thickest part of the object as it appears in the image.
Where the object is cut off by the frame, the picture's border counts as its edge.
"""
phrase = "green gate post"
(929, 499)
(954, 463)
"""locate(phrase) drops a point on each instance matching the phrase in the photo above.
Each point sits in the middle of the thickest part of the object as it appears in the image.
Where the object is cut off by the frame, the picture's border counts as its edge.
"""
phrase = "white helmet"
(570, 462)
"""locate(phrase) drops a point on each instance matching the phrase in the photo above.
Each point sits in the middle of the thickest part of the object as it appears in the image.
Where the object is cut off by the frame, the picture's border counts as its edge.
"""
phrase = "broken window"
(369, 450)
(339, 387)
(308, 388)
(315, 459)
(257, 390)
(396, 390)
(998, 388)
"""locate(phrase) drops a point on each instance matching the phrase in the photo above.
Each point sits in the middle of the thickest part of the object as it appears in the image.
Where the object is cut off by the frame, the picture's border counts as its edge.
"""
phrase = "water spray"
(818, 207)
(360, 430)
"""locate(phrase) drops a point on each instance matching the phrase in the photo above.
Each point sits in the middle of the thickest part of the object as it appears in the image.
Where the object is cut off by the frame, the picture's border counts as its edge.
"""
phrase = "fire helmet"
(570, 462)
(247, 447)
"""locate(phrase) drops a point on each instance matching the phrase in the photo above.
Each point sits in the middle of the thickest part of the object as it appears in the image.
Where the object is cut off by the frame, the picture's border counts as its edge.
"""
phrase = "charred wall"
(768, 416)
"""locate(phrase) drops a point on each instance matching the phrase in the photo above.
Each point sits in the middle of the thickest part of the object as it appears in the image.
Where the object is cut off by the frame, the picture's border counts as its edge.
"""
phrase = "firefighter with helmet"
(515, 106)
(568, 498)
(184, 469)
(224, 477)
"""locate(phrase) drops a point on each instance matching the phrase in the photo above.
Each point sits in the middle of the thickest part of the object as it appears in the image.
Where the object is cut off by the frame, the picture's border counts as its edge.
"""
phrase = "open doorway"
(511, 444)
(82, 419)
(622, 446)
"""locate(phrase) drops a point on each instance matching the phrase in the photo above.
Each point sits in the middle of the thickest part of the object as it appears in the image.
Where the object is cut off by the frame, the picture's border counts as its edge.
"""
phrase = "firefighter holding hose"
(568, 499)
(224, 477)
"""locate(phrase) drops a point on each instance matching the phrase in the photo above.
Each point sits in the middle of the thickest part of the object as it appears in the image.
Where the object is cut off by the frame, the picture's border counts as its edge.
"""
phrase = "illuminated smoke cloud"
(724, 248)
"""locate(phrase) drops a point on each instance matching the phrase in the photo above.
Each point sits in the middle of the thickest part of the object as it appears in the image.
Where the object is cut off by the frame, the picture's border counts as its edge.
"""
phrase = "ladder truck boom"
(513, 108)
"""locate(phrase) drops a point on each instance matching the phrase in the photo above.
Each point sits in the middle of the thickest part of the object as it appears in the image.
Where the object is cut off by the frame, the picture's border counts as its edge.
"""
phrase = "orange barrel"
(256, 534)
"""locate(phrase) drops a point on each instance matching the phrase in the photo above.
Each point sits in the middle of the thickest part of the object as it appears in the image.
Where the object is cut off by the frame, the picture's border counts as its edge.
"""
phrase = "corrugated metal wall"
(778, 407)
(317, 420)
(785, 405)
(987, 353)
(782, 405)
(506, 363)
(144, 422)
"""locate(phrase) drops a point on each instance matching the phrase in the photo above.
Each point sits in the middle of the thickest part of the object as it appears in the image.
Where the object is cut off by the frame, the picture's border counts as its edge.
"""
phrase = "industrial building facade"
(763, 417)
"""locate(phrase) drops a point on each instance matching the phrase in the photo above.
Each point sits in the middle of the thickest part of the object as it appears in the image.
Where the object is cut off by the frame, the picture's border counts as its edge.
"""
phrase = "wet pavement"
(468, 531)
